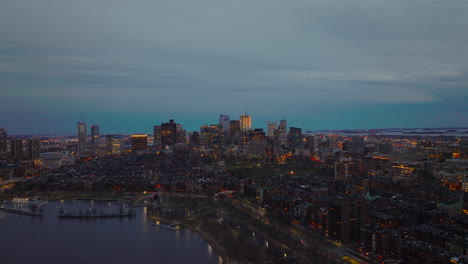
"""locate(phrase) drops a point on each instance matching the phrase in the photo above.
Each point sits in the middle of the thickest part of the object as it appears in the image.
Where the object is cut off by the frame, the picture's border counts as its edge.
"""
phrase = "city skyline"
(145, 125)
(319, 64)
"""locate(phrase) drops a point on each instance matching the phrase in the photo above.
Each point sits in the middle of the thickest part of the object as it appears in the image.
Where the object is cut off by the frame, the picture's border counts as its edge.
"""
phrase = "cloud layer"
(278, 58)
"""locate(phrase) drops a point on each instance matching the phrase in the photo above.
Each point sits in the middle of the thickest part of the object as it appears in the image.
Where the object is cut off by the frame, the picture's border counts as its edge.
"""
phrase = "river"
(49, 239)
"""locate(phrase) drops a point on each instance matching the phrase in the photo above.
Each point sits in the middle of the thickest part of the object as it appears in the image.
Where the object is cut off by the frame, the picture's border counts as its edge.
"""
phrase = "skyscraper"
(216, 135)
(139, 142)
(81, 136)
(16, 149)
(271, 128)
(181, 136)
(169, 133)
(114, 144)
(94, 137)
(283, 126)
(295, 137)
(245, 123)
(157, 135)
(33, 149)
(235, 132)
(3, 140)
(224, 123)
(205, 135)
(283, 133)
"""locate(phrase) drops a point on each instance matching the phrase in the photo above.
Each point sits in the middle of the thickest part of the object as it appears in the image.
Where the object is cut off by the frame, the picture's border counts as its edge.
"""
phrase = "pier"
(20, 212)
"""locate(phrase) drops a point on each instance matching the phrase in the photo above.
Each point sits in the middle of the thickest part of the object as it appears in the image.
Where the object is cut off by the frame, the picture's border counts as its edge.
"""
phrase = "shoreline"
(220, 250)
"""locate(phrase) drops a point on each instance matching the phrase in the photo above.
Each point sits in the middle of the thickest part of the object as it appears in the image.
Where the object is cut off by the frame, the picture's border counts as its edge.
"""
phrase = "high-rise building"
(181, 136)
(224, 122)
(245, 123)
(282, 133)
(3, 140)
(33, 149)
(295, 137)
(81, 136)
(169, 133)
(271, 128)
(139, 142)
(216, 135)
(257, 134)
(114, 144)
(94, 137)
(16, 149)
(235, 132)
(195, 138)
(283, 126)
(205, 135)
(157, 136)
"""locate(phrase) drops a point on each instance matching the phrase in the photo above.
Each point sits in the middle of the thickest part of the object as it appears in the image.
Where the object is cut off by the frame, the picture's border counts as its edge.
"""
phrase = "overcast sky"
(128, 65)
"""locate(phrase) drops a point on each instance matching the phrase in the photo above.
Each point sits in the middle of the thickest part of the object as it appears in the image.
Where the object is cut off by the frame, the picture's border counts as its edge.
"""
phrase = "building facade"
(81, 136)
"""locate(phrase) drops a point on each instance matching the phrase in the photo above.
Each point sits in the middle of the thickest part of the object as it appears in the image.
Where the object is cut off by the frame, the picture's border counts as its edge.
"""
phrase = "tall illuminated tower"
(94, 137)
(245, 123)
(81, 136)
(114, 144)
(169, 133)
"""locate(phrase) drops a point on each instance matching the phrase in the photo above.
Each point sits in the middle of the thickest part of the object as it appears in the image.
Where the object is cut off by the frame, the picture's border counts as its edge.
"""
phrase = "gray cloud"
(273, 55)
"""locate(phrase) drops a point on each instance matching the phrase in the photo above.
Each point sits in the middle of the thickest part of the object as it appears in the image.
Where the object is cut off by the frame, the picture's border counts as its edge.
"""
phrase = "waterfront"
(49, 239)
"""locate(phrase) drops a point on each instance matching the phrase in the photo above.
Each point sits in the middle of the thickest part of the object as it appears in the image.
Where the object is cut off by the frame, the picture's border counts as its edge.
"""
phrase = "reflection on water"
(210, 250)
(110, 240)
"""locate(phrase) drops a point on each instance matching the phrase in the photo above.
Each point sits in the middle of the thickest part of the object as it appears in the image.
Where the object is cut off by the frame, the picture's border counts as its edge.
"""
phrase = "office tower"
(16, 149)
(157, 135)
(195, 138)
(33, 149)
(114, 144)
(283, 126)
(282, 133)
(216, 135)
(224, 123)
(139, 142)
(271, 128)
(81, 136)
(205, 135)
(181, 134)
(94, 137)
(3, 140)
(295, 137)
(169, 133)
(245, 123)
(234, 132)
(257, 134)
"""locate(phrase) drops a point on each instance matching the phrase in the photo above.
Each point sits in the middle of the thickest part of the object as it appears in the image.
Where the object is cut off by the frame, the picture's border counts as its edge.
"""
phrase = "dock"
(20, 212)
